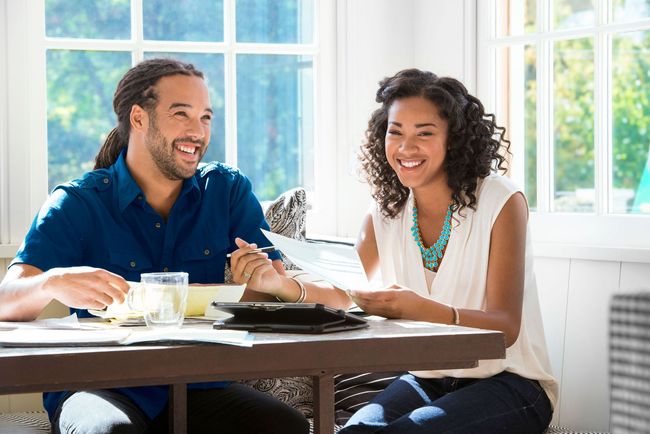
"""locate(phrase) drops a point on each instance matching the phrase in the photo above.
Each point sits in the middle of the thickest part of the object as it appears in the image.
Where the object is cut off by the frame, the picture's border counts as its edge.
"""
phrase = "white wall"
(19, 138)
(574, 298)
(445, 38)
(379, 38)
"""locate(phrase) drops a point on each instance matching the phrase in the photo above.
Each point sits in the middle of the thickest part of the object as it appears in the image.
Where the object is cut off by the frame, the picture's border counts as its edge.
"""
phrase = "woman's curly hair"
(474, 141)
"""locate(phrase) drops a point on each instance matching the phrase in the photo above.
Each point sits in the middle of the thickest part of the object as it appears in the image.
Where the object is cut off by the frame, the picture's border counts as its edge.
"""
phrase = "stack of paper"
(68, 322)
(26, 337)
(338, 264)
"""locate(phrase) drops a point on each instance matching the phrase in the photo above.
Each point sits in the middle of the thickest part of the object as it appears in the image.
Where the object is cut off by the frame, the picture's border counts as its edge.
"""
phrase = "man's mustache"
(189, 139)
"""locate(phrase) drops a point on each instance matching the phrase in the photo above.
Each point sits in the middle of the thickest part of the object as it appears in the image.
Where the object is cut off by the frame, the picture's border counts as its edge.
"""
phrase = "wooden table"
(387, 345)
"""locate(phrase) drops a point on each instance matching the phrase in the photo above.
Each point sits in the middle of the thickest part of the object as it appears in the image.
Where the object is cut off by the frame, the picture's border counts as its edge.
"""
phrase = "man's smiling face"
(179, 125)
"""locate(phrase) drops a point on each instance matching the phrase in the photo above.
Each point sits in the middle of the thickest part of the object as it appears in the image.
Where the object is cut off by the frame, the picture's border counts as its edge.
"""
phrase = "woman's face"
(416, 142)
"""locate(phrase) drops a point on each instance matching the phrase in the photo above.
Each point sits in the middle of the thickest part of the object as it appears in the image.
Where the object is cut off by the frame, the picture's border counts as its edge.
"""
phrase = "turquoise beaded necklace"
(432, 256)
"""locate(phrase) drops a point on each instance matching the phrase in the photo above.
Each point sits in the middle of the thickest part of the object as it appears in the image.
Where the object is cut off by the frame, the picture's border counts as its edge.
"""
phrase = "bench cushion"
(25, 423)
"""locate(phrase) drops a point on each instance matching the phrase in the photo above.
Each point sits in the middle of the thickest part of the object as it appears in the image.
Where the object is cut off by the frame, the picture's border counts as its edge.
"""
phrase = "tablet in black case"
(286, 317)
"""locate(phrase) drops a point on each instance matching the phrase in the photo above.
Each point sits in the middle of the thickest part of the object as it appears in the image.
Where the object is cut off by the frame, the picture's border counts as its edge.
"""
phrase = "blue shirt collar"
(129, 191)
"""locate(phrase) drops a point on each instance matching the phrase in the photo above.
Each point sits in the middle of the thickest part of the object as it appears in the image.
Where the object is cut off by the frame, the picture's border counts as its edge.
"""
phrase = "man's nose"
(195, 129)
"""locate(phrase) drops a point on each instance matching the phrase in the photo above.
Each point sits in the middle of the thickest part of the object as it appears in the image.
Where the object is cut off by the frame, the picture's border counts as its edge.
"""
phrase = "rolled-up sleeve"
(56, 236)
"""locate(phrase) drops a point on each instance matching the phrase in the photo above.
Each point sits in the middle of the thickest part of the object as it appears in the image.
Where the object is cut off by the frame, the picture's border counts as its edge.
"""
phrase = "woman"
(450, 239)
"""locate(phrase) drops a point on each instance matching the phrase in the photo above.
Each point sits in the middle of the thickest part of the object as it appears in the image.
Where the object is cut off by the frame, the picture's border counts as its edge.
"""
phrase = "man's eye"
(181, 114)
(207, 118)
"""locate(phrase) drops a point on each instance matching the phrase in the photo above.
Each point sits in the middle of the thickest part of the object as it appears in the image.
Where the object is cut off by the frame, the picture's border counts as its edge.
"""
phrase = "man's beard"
(162, 152)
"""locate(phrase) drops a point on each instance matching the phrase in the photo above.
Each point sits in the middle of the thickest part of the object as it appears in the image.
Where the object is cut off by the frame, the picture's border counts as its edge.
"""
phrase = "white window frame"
(4, 151)
(23, 104)
(600, 235)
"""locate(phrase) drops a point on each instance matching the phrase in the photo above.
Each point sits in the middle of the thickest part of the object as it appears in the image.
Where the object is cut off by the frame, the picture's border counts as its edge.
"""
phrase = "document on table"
(101, 337)
(338, 264)
(68, 322)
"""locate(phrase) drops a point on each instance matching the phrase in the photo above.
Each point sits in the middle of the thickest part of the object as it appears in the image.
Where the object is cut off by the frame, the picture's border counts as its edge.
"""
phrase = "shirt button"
(139, 197)
(106, 181)
(165, 269)
(132, 264)
(206, 252)
(157, 225)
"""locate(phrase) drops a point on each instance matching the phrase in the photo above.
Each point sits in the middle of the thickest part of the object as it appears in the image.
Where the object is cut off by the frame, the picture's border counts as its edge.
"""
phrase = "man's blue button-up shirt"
(103, 220)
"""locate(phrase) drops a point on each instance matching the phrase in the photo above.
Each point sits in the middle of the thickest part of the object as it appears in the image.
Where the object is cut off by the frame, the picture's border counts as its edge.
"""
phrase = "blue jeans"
(505, 403)
(234, 409)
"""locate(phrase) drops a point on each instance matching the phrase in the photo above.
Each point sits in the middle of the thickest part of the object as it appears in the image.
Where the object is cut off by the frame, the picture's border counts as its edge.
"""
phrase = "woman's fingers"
(239, 260)
(256, 267)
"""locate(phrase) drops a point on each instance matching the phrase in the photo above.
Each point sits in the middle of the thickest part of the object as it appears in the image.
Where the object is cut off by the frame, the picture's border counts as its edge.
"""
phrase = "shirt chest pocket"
(204, 260)
(129, 264)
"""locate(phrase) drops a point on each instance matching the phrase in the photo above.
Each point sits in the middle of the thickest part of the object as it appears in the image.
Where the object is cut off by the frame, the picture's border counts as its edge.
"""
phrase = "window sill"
(8, 250)
(591, 252)
(540, 249)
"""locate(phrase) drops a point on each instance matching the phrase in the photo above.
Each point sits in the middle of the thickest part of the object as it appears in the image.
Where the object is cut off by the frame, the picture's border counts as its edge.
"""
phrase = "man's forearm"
(22, 297)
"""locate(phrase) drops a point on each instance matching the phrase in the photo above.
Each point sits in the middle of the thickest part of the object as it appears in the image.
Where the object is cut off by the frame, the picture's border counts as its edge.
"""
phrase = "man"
(149, 207)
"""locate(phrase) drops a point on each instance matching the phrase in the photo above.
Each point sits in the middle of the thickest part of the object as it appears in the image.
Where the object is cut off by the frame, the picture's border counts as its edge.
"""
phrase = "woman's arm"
(506, 272)
(267, 279)
(367, 247)
(505, 282)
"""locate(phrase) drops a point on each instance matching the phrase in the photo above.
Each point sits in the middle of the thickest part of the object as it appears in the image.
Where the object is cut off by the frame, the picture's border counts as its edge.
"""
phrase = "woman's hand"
(255, 269)
(394, 301)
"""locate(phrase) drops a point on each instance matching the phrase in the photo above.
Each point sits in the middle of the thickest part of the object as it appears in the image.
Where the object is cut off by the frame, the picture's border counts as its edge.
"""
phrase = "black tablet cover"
(286, 317)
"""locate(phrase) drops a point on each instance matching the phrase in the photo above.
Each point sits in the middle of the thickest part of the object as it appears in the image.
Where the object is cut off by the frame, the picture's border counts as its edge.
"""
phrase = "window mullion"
(545, 179)
(469, 35)
(601, 92)
(263, 48)
(545, 124)
(4, 143)
(230, 81)
(486, 83)
(38, 116)
(24, 157)
(137, 31)
(326, 127)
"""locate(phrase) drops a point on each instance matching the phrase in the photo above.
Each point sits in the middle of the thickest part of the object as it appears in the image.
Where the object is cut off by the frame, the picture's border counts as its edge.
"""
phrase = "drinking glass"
(162, 297)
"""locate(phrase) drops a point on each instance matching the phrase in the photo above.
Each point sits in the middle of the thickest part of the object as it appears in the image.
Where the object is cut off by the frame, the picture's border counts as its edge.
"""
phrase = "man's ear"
(139, 118)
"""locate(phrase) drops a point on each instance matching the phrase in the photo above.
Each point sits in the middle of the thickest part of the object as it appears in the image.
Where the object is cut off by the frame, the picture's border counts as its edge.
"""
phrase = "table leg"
(178, 408)
(323, 403)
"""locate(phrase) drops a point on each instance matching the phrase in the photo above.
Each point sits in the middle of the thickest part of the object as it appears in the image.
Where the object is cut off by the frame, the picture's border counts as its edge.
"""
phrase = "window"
(260, 58)
(570, 80)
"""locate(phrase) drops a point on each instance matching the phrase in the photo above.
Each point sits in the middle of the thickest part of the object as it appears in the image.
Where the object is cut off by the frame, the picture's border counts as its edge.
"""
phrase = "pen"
(260, 250)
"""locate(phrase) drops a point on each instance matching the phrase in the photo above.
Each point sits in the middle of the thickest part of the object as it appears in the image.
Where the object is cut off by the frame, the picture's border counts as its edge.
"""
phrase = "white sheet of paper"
(50, 337)
(338, 264)
(53, 337)
(231, 337)
(418, 325)
(68, 322)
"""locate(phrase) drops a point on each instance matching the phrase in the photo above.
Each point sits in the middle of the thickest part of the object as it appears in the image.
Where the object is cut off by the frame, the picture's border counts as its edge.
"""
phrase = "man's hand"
(85, 287)
(26, 290)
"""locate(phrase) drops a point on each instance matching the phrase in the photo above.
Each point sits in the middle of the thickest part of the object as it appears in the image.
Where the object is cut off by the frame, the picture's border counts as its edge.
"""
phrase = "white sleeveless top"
(462, 276)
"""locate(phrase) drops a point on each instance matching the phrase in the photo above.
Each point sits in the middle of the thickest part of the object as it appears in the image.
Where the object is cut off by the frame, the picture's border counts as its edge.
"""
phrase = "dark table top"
(386, 345)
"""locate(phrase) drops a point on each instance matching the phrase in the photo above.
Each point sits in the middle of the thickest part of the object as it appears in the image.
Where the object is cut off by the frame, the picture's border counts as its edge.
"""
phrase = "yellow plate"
(199, 298)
